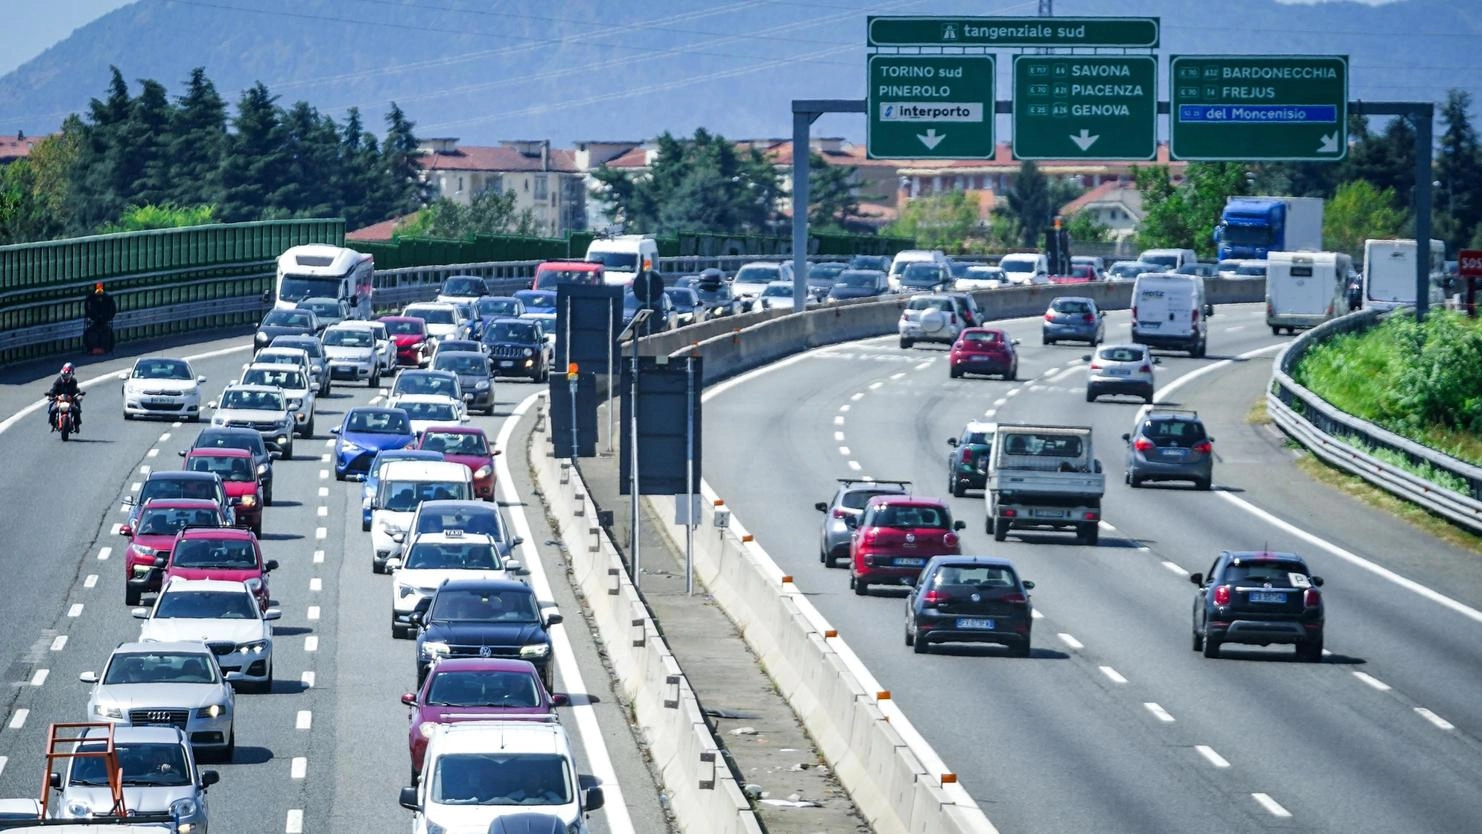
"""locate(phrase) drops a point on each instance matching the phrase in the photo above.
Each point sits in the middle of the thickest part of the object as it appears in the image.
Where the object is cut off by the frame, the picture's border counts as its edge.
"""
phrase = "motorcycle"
(64, 414)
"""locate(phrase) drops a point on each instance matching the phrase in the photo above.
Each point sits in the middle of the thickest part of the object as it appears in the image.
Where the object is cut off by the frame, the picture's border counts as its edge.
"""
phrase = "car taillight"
(1091, 516)
(1016, 599)
(1050, 316)
(839, 513)
(1204, 447)
(1222, 595)
(1088, 318)
(1134, 312)
(935, 597)
(967, 455)
(1146, 369)
(1311, 598)
(1142, 444)
(950, 539)
(1005, 512)
(1095, 367)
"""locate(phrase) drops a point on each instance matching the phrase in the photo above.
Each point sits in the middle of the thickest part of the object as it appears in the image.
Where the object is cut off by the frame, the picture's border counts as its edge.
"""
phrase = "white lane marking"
(123, 508)
(91, 581)
(299, 768)
(844, 407)
(898, 375)
(1036, 387)
(329, 444)
(1158, 712)
(1113, 675)
(40, 677)
(324, 474)
(324, 492)
(307, 679)
(316, 584)
(1105, 525)
(1049, 371)
(1211, 368)
(318, 557)
(990, 412)
(75, 611)
(59, 643)
(839, 420)
(1210, 756)
(1272, 806)
(324, 458)
(1012, 392)
(1236, 329)
(1070, 641)
(1175, 568)
(924, 365)
(375, 399)
(854, 465)
(876, 384)
(1000, 401)
(1074, 361)
(598, 759)
(311, 643)
(313, 612)
(839, 436)
(1437, 720)
(857, 397)
(18, 719)
(321, 533)
(104, 553)
(323, 511)
(1035, 614)
(164, 437)
(177, 424)
(1370, 680)
(3, 760)
(295, 822)
(152, 453)
(144, 469)
(1065, 374)
(844, 450)
(304, 721)
(134, 487)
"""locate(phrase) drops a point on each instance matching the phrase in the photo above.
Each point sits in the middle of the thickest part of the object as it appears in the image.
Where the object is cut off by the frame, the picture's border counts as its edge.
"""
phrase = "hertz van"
(1305, 289)
(322, 271)
(1169, 311)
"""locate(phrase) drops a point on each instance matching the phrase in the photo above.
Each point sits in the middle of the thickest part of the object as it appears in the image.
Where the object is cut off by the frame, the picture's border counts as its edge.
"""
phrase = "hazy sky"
(33, 25)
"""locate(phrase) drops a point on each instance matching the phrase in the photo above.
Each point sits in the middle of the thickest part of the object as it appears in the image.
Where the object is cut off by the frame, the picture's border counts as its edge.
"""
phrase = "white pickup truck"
(1044, 477)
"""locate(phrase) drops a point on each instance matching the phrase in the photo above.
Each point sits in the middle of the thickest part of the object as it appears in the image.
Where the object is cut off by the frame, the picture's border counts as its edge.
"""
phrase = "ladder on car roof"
(62, 744)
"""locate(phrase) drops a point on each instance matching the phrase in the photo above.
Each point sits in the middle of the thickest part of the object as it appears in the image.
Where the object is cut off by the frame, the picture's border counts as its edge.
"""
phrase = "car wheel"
(860, 588)
(1090, 394)
(377, 566)
(1199, 350)
(1203, 485)
(910, 635)
(1046, 340)
(128, 416)
(919, 644)
(1211, 647)
(267, 494)
(1134, 481)
(257, 529)
(131, 596)
(1311, 651)
(309, 428)
(954, 372)
(364, 526)
(231, 747)
(1089, 534)
(956, 487)
(375, 379)
(823, 558)
(1013, 373)
(1198, 641)
(1000, 529)
(1020, 649)
(906, 343)
(1276, 331)
(338, 475)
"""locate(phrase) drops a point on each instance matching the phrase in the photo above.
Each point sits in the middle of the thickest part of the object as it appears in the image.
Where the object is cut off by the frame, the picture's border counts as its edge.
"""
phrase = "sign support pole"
(633, 464)
(610, 343)
(689, 477)
(804, 113)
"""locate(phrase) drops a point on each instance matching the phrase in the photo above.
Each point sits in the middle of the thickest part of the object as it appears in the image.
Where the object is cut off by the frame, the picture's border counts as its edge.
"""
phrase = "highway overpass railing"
(1356, 445)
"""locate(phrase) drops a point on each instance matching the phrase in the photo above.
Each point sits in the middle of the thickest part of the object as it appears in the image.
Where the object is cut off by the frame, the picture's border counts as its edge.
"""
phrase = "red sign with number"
(1470, 263)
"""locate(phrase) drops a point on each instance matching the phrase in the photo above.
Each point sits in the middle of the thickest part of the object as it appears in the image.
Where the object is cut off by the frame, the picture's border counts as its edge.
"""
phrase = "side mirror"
(560, 699)
(554, 618)
(594, 800)
(410, 699)
(211, 404)
(1013, 341)
(385, 392)
(271, 566)
(124, 376)
(128, 500)
(209, 778)
(200, 379)
(88, 677)
(182, 452)
(1210, 439)
(54, 780)
(1208, 310)
(514, 566)
(140, 613)
(1126, 438)
(1317, 581)
(952, 441)
(408, 798)
(393, 564)
(516, 541)
(273, 614)
(1086, 358)
(821, 506)
(399, 537)
(126, 531)
(959, 525)
(335, 430)
(1197, 578)
(1028, 585)
(1157, 360)
(415, 618)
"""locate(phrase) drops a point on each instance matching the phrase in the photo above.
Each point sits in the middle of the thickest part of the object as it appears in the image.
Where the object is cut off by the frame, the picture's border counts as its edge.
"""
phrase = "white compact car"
(226, 616)
(434, 558)
(352, 353)
(427, 410)
(1120, 369)
(159, 386)
(443, 320)
(404, 484)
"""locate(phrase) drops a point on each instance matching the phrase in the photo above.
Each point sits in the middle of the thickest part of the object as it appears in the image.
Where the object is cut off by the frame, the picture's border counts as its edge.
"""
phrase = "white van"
(1169, 260)
(1025, 268)
(404, 485)
(752, 279)
(1169, 311)
(321, 271)
(1389, 274)
(623, 257)
(1305, 289)
(905, 257)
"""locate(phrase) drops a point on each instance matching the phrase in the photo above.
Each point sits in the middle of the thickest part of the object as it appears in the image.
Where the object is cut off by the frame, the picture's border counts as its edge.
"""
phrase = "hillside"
(579, 69)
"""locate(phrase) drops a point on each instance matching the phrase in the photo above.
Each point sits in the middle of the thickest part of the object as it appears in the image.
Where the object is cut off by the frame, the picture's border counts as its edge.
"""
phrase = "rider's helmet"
(67, 371)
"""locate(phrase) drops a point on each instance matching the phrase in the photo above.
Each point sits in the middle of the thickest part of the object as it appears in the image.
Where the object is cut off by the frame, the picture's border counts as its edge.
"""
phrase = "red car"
(476, 689)
(160, 520)
(224, 553)
(1079, 274)
(239, 476)
(980, 350)
(896, 537)
(552, 273)
(466, 445)
(410, 335)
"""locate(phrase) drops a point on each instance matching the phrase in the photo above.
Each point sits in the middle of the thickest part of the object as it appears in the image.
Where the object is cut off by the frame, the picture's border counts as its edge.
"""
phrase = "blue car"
(365, 432)
(373, 481)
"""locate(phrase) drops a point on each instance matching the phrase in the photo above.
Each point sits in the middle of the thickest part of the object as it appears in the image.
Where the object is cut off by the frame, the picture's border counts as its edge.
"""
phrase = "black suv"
(485, 618)
(247, 439)
(517, 347)
(1258, 598)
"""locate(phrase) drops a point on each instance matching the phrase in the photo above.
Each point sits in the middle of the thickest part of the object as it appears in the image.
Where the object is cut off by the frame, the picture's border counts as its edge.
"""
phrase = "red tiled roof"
(636, 158)
(379, 231)
(499, 158)
(12, 148)
(1003, 160)
(1101, 192)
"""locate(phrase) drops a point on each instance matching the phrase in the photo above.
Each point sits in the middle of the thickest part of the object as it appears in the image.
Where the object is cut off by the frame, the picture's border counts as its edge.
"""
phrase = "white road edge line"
(1272, 806)
(1437, 720)
(1210, 756)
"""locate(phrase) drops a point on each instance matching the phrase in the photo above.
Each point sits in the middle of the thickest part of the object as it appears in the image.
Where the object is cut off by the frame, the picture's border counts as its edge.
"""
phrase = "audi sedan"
(969, 599)
(150, 684)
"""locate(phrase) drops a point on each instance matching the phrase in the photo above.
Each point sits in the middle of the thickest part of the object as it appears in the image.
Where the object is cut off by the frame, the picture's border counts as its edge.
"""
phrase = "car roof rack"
(1159, 409)
(872, 481)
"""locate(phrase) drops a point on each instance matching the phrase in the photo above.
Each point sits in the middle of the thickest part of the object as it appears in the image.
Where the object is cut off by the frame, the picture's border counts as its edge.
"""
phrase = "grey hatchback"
(1169, 444)
(1073, 318)
(849, 502)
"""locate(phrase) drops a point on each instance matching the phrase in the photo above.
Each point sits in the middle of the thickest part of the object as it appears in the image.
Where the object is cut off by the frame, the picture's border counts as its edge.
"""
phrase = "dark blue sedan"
(969, 599)
(365, 432)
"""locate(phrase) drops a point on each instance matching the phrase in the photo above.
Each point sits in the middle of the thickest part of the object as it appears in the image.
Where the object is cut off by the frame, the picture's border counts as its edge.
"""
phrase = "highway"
(1114, 724)
(326, 750)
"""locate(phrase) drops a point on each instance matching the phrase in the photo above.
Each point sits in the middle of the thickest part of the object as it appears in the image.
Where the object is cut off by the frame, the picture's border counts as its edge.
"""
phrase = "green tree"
(1029, 203)
(1387, 160)
(832, 202)
(356, 178)
(198, 139)
(940, 221)
(704, 184)
(1357, 212)
(255, 162)
(402, 189)
(142, 164)
(1458, 199)
(1083, 227)
(1183, 216)
(161, 216)
(313, 151)
(95, 197)
(489, 212)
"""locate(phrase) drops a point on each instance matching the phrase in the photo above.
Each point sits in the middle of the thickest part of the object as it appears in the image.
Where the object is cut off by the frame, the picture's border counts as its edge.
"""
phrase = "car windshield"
(445, 556)
(486, 606)
(879, 262)
(930, 303)
(404, 496)
(141, 764)
(414, 383)
(458, 346)
(758, 274)
(406, 327)
(466, 365)
(777, 291)
(161, 369)
(623, 261)
(253, 400)
(711, 293)
(908, 516)
(857, 280)
(177, 488)
(206, 605)
(284, 377)
(923, 275)
(826, 271)
(308, 345)
(483, 688)
(471, 520)
(464, 285)
(976, 438)
(455, 443)
(289, 318)
(1127, 269)
(1120, 354)
(322, 309)
(1277, 573)
(982, 336)
(170, 522)
(495, 307)
(349, 337)
(1173, 430)
(430, 410)
(857, 499)
(230, 554)
(510, 331)
(383, 421)
(298, 287)
(434, 315)
(537, 300)
(159, 667)
(1074, 307)
(683, 297)
(989, 576)
(229, 468)
(501, 779)
(1020, 266)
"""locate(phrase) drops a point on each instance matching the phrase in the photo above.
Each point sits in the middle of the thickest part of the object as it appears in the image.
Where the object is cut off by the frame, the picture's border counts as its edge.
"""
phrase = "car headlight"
(108, 711)
(142, 550)
(253, 647)
(427, 728)
(536, 650)
(529, 352)
(481, 385)
(404, 591)
(248, 501)
(434, 648)
(296, 402)
(391, 529)
(434, 828)
(262, 469)
(141, 571)
(263, 337)
(213, 711)
(185, 807)
(482, 471)
(78, 808)
(349, 446)
(254, 584)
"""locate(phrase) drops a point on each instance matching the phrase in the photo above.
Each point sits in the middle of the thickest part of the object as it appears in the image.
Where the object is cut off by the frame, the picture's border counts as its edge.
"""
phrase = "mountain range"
(486, 70)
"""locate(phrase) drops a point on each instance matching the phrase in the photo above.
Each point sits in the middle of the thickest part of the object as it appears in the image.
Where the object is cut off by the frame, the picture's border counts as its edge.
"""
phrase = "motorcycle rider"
(64, 385)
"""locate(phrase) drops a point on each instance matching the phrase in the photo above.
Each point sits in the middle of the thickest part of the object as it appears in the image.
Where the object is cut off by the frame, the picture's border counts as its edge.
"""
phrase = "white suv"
(933, 318)
(297, 388)
(434, 558)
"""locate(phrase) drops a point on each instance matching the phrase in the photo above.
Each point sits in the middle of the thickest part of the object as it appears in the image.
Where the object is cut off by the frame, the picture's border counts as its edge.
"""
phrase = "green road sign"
(930, 107)
(1258, 107)
(1085, 107)
(1130, 32)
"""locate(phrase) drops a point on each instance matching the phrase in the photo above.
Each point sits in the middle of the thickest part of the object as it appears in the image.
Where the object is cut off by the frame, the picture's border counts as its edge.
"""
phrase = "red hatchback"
(467, 445)
(981, 350)
(239, 477)
(410, 335)
(476, 689)
(225, 553)
(896, 537)
(160, 520)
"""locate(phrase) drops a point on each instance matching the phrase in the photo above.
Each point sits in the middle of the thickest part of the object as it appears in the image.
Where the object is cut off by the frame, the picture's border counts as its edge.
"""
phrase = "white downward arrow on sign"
(1329, 143)
(1085, 140)
(931, 139)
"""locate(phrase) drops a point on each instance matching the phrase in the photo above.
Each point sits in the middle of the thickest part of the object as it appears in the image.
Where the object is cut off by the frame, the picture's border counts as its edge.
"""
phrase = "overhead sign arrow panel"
(931, 139)
(1066, 105)
(1084, 141)
(930, 107)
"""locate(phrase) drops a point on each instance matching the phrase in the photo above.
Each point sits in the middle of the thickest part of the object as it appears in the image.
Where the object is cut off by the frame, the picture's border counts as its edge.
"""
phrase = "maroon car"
(476, 689)
(159, 521)
(981, 350)
(410, 335)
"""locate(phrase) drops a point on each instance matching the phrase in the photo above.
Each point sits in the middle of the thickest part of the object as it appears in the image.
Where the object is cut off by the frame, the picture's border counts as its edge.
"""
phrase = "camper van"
(1389, 274)
(1304, 289)
(322, 271)
(1169, 311)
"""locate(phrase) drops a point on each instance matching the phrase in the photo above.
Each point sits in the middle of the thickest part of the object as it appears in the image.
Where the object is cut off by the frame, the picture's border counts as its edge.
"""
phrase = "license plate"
(1047, 513)
(974, 623)
(1118, 372)
(1267, 596)
(506, 363)
(161, 400)
(1149, 325)
(1175, 453)
(909, 562)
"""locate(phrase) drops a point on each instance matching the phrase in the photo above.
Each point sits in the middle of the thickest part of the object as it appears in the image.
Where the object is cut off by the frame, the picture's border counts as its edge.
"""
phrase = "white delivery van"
(1169, 311)
(623, 257)
(1169, 260)
(404, 485)
(1304, 289)
(1389, 274)
(1025, 268)
(905, 257)
(321, 271)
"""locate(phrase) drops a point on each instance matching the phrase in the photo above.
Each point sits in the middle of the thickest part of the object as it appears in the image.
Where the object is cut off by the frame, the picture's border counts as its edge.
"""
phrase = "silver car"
(262, 408)
(159, 773)
(1073, 318)
(303, 397)
(848, 502)
(166, 685)
(1169, 444)
(1120, 369)
(353, 354)
(932, 318)
(318, 363)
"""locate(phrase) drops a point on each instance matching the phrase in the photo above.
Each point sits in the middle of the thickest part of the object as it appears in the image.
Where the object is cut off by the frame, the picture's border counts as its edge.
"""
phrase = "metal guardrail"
(1325, 430)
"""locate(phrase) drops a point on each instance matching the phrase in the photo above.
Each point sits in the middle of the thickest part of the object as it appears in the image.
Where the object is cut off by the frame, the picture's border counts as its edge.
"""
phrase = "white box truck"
(1304, 289)
(1389, 273)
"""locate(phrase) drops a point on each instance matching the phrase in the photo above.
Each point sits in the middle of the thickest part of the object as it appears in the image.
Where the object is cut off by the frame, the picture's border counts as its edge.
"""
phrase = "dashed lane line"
(844, 450)
(311, 643)
(839, 420)
(40, 676)
(299, 768)
(318, 557)
(304, 720)
(307, 679)
(1210, 756)
(854, 466)
(323, 511)
(838, 437)
(856, 397)
(1372, 681)
(316, 584)
(1071, 641)
(105, 552)
(1113, 675)
(1437, 720)
(1158, 712)
(295, 822)
(1174, 568)
(152, 453)
(898, 375)
(1272, 806)
(91, 581)
(312, 613)
(324, 492)
(75, 611)
(876, 384)
(324, 474)
(844, 407)
(321, 533)
(18, 718)
(923, 365)
(59, 642)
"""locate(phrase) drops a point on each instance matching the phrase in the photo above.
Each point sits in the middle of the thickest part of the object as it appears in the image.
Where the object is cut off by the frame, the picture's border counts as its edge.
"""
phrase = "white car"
(296, 357)
(981, 277)
(262, 408)
(159, 386)
(461, 289)
(385, 345)
(443, 320)
(303, 396)
(778, 295)
(405, 484)
(752, 279)
(1120, 369)
(352, 353)
(159, 771)
(932, 318)
(434, 558)
(226, 616)
(427, 410)
(170, 684)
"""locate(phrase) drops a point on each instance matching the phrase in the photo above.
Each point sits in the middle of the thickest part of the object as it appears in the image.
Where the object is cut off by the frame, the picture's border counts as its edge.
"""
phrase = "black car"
(859, 283)
(1258, 598)
(925, 277)
(246, 439)
(880, 263)
(715, 295)
(688, 308)
(492, 307)
(849, 502)
(969, 599)
(284, 322)
(821, 278)
(485, 618)
(518, 347)
(660, 320)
